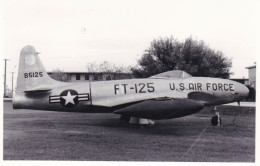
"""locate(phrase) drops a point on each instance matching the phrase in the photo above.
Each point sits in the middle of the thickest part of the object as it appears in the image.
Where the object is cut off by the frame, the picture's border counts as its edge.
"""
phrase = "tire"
(214, 121)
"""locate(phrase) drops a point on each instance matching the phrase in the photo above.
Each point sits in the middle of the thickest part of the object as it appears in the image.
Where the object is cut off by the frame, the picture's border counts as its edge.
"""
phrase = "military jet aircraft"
(168, 95)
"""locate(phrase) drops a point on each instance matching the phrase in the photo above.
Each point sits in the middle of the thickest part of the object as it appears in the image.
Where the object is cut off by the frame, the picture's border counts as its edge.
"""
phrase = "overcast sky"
(71, 33)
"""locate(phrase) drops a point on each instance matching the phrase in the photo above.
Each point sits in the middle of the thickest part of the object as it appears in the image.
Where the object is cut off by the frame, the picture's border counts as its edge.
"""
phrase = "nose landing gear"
(216, 120)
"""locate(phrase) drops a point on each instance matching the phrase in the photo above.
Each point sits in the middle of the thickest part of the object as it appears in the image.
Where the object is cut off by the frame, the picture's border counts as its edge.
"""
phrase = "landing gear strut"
(137, 121)
(216, 120)
(140, 121)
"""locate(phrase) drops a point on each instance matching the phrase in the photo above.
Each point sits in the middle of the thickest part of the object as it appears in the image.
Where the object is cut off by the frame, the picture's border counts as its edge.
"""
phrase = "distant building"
(96, 76)
(241, 80)
(252, 75)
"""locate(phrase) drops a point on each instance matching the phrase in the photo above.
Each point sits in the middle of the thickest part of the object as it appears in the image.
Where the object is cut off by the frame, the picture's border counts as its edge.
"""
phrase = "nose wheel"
(216, 120)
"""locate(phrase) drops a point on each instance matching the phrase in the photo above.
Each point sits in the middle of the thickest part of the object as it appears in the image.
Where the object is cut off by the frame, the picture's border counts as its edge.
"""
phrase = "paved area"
(243, 104)
(46, 135)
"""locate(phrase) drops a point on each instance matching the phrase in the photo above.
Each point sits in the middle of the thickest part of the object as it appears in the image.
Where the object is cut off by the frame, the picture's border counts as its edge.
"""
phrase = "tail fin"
(31, 73)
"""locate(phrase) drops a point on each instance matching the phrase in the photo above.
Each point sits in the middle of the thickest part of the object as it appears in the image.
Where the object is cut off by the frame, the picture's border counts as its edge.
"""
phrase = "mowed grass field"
(46, 135)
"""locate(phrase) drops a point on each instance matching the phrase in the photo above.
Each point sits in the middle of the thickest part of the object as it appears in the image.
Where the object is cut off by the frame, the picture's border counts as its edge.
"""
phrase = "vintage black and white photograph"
(129, 80)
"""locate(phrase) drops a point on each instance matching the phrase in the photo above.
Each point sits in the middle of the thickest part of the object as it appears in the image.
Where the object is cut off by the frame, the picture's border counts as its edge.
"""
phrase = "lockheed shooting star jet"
(167, 95)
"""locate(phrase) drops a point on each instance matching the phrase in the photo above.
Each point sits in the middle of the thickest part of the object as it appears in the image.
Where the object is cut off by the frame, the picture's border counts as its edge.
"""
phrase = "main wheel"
(215, 121)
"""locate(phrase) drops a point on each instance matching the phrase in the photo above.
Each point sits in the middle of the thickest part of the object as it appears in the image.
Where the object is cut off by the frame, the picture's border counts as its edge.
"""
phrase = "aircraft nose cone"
(246, 91)
(243, 91)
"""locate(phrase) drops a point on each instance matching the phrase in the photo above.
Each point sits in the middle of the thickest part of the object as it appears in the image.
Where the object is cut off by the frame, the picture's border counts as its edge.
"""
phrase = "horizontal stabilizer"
(37, 90)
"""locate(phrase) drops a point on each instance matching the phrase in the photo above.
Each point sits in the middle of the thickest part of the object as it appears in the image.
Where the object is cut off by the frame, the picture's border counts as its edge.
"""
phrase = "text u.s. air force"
(149, 87)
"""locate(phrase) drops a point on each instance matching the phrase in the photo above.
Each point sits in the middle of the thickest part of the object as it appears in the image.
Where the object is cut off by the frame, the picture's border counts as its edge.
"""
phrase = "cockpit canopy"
(173, 74)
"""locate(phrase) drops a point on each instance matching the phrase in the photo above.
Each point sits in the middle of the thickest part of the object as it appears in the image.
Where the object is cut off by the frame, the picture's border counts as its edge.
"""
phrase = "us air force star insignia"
(69, 98)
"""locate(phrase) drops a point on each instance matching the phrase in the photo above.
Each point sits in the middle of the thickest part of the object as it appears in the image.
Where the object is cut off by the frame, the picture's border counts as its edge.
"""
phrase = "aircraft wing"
(163, 108)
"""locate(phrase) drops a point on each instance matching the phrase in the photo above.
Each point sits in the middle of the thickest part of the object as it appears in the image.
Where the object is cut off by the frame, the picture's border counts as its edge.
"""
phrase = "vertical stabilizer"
(31, 73)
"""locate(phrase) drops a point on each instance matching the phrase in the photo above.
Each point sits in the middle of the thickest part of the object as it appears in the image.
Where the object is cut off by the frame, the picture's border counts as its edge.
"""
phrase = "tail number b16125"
(33, 74)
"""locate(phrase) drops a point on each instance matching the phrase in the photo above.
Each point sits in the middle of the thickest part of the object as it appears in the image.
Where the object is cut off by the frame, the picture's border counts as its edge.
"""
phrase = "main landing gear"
(137, 121)
(216, 120)
(141, 121)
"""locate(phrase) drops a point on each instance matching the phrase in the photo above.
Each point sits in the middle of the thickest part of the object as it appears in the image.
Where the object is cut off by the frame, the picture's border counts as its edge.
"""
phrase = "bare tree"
(60, 75)
(108, 67)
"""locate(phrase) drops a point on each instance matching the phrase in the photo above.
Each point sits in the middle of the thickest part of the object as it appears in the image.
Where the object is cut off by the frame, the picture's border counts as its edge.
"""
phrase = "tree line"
(165, 54)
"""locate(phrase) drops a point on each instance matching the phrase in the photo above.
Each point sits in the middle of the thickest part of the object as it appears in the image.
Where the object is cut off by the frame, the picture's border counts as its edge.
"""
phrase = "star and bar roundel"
(69, 98)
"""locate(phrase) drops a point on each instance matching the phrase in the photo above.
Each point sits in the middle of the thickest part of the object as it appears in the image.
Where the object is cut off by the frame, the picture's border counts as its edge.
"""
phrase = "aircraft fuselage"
(102, 96)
